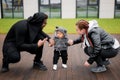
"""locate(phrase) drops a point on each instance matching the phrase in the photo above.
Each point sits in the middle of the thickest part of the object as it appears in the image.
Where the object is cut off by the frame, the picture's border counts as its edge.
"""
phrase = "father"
(26, 35)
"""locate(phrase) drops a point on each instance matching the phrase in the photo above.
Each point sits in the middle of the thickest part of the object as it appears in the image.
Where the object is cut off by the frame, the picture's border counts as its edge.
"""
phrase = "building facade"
(60, 8)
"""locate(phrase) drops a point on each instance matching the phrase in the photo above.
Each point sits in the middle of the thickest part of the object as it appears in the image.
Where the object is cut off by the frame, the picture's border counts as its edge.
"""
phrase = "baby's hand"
(50, 45)
(51, 42)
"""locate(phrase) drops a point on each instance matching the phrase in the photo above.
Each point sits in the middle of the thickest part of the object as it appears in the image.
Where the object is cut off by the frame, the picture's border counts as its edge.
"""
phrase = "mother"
(26, 35)
(99, 45)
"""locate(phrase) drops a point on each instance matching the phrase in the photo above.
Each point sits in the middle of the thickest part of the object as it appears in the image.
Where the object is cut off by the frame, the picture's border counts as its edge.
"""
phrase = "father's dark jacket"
(24, 34)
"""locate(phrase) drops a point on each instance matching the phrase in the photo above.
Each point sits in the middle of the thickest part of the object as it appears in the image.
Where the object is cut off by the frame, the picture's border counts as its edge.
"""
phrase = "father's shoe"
(99, 69)
(4, 68)
(39, 65)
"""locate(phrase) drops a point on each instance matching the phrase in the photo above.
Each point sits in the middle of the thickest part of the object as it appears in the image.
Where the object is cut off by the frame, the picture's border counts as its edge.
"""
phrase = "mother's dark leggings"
(105, 53)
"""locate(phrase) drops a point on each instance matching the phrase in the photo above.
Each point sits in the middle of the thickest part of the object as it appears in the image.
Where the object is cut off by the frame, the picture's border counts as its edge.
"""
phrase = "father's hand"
(41, 42)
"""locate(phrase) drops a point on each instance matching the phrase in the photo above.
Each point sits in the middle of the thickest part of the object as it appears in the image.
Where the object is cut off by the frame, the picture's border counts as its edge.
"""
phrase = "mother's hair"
(82, 24)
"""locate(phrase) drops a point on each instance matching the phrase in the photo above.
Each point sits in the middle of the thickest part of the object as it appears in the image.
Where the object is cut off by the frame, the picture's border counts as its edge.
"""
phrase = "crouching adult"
(98, 45)
(26, 35)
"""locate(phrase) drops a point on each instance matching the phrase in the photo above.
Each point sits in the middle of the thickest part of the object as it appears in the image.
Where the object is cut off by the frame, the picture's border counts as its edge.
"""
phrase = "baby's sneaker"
(64, 66)
(55, 67)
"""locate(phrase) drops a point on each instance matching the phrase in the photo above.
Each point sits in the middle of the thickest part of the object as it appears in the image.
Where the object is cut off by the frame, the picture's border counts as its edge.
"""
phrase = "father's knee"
(14, 58)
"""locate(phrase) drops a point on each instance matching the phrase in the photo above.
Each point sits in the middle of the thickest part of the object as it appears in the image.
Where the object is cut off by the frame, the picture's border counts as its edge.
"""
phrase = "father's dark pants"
(12, 55)
(105, 53)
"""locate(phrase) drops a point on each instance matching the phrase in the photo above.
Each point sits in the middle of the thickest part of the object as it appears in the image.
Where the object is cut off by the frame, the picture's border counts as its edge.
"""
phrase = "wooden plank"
(75, 71)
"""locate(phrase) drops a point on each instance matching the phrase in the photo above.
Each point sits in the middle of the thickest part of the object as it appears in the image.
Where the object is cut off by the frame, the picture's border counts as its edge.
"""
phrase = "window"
(51, 7)
(12, 8)
(117, 8)
(93, 2)
(81, 8)
(93, 8)
(87, 8)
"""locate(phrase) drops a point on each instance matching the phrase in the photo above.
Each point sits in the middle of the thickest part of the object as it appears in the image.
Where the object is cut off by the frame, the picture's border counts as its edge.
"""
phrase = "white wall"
(30, 7)
(68, 8)
(106, 9)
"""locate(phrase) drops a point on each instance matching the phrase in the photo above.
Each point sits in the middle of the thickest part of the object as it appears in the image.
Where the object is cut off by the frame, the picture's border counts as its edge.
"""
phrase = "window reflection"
(81, 8)
(87, 8)
(92, 2)
(55, 8)
(44, 6)
(12, 8)
(117, 8)
(51, 7)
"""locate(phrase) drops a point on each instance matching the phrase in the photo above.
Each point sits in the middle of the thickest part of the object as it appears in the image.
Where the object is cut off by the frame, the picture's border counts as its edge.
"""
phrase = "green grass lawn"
(110, 25)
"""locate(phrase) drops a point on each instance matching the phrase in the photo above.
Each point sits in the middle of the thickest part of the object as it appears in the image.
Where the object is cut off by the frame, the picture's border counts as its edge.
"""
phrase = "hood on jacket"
(35, 24)
(92, 24)
(37, 19)
(61, 29)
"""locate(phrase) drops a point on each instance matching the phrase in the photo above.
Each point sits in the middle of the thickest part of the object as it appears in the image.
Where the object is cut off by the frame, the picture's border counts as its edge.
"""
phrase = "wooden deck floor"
(76, 71)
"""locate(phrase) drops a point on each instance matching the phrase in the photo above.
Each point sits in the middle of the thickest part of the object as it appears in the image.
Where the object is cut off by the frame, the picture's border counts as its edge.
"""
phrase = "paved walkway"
(76, 71)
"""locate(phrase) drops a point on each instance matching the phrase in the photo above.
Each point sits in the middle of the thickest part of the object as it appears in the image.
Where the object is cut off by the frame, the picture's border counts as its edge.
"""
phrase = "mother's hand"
(86, 64)
(70, 42)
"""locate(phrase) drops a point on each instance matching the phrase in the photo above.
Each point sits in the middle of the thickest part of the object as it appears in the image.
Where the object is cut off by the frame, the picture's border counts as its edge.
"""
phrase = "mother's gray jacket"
(99, 38)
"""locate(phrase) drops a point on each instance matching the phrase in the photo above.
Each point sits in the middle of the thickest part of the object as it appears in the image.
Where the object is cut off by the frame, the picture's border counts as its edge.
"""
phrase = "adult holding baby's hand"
(97, 44)
(26, 35)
